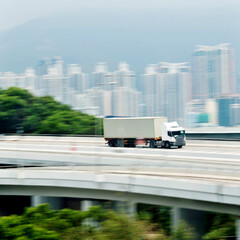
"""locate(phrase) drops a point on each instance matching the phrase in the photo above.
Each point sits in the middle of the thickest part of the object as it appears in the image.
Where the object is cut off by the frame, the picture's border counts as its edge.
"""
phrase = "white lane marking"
(126, 155)
(143, 151)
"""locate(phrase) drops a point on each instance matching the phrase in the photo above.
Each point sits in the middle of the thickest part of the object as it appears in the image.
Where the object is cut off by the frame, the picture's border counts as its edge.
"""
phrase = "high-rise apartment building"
(166, 90)
(57, 65)
(9, 79)
(54, 83)
(153, 91)
(100, 77)
(125, 102)
(125, 97)
(238, 84)
(113, 93)
(30, 80)
(213, 71)
(124, 77)
(77, 79)
(42, 66)
(49, 77)
(25, 80)
(176, 78)
(229, 110)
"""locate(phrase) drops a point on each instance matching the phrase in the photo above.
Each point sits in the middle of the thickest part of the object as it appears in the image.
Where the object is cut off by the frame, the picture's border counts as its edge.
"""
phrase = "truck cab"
(173, 135)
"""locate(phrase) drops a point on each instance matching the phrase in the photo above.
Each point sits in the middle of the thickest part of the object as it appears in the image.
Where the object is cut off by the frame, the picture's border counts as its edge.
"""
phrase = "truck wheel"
(167, 145)
(112, 143)
(120, 143)
(152, 144)
(179, 146)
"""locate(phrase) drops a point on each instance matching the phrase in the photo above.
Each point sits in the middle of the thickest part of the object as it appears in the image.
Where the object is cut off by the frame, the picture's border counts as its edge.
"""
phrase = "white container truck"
(153, 131)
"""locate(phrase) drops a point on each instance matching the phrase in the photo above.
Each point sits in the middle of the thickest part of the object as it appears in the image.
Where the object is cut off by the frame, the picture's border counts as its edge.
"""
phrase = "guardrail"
(48, 135)
(214, 136)
(191, 135)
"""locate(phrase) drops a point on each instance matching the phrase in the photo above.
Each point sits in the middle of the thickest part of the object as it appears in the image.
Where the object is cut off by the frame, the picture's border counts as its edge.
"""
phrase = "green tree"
(43, 223)
(15, 227)
(219, 225)
(161, 215)
(217, 234)
(120, 227)
(183, 232)
(66, 122)
(82, 233)
(21, 110)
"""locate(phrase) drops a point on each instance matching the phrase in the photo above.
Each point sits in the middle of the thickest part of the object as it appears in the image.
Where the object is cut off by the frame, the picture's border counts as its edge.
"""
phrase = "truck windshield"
(176, 133)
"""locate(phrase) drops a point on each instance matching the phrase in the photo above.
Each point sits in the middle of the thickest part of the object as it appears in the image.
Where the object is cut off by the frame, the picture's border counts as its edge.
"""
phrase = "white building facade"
(213, 71)
(166, 90)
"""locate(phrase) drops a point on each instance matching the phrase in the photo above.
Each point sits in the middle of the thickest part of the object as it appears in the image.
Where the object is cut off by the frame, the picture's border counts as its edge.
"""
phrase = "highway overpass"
(203, 176)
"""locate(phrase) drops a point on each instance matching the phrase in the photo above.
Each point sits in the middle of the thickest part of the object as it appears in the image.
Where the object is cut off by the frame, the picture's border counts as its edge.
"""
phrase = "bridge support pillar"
(193, 218)
(131, 209)
(86, 204)
(54, 202)
(128, 207)
(238, 228)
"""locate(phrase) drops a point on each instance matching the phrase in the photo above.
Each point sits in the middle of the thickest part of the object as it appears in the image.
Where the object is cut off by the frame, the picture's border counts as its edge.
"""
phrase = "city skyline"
(189, 93)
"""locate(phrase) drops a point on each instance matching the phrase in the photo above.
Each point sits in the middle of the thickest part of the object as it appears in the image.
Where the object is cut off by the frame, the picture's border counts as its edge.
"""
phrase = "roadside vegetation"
(42, 223)
(220, 226)
(217, 226)
(21, 112)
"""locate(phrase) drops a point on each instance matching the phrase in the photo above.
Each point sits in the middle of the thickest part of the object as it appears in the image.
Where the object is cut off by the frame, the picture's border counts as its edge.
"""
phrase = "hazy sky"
(15, 12)
(89, 31)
